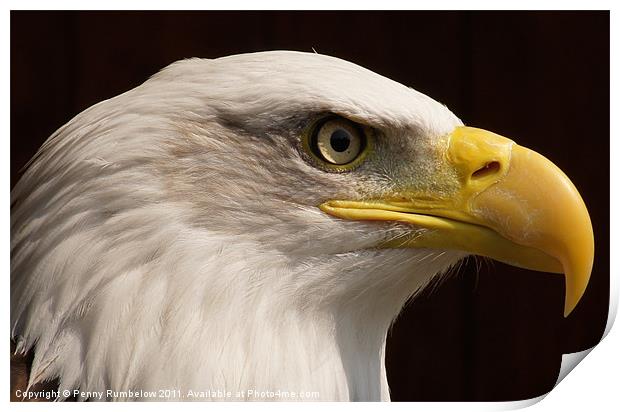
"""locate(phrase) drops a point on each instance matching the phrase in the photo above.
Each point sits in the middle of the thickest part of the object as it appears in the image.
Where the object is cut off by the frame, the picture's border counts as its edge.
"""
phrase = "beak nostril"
(490, 168)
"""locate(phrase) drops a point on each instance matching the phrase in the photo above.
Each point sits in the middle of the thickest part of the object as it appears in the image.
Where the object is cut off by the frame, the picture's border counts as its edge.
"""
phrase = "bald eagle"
(256, 222)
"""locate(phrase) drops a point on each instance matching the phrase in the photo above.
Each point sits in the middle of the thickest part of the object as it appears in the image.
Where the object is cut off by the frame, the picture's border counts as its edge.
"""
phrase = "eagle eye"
(338, 143)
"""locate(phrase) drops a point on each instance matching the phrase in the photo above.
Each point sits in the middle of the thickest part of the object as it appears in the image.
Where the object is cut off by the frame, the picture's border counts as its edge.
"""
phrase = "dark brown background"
(541, 78)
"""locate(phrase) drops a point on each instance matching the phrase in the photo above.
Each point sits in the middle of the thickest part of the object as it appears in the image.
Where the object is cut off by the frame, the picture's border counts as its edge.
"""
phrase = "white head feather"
(169, 237)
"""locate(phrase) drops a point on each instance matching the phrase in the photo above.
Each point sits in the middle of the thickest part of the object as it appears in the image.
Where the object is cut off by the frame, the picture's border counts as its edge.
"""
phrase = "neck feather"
(207, 314)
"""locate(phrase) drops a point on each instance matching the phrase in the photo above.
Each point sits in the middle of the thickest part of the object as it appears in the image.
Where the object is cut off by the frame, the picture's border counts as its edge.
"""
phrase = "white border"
(594, 383)
(311, 5)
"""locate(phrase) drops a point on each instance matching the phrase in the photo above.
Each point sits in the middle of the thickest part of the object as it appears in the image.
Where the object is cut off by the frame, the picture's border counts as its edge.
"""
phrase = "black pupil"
(340, 140)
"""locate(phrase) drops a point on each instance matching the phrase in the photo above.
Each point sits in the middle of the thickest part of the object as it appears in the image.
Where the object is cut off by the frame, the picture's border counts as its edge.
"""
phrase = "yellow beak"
(504, 201)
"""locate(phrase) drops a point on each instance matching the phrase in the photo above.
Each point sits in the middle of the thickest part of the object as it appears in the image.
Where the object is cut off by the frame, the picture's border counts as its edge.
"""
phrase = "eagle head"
(258, 221)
